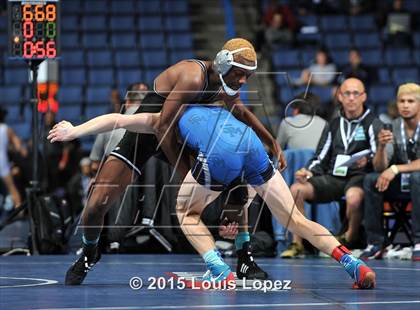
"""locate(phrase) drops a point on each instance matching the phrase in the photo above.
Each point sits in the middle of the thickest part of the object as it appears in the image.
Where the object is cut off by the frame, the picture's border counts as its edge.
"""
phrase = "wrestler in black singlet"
(135, 149)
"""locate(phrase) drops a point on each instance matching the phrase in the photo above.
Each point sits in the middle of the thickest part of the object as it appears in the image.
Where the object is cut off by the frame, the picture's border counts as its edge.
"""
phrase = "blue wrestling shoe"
(218, 273)
(216, 277)
(363, 276)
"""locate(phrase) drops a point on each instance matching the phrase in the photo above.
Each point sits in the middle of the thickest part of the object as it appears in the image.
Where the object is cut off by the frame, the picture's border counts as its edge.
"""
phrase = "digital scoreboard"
(34, 29)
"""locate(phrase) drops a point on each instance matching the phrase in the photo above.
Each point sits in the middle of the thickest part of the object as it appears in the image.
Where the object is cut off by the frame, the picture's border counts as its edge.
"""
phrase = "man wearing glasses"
(335, 171)
(397, 164)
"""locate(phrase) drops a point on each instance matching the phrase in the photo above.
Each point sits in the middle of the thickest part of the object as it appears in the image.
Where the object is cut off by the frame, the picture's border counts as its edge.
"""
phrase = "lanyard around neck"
(404, 138)
(348, 137)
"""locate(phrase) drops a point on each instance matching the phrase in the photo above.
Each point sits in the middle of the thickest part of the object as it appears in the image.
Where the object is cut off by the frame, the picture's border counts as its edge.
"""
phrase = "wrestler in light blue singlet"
(227, 148)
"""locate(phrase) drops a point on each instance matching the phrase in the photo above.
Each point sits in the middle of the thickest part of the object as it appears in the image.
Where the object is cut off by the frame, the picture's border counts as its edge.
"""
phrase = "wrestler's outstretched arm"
(141, 123)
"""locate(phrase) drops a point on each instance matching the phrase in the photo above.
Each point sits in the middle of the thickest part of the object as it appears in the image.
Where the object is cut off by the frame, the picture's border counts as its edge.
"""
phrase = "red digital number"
(28, 29)
(28, 49)
(40, 50)
(51, 50)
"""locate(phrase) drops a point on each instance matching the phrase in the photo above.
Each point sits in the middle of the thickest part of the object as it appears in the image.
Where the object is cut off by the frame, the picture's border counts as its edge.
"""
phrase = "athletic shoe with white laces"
(372, 252)
(398, 252)
(78, 271)
(246, 267)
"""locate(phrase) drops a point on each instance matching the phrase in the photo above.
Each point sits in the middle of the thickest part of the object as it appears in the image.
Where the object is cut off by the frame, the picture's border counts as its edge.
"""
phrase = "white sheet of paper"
(353, 158)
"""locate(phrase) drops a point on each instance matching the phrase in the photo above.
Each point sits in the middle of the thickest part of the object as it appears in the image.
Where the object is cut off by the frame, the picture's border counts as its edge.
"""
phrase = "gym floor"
(36, 282)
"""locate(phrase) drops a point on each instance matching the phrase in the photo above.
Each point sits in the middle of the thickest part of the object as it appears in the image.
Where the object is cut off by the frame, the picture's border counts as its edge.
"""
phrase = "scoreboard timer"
(34, 29)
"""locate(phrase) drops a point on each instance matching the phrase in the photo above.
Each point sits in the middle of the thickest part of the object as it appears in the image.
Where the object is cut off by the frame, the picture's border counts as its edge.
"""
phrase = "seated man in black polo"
(332, 174)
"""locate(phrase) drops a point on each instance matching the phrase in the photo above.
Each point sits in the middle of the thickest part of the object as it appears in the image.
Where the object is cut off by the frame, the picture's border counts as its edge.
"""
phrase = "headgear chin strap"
(227, 89)
(224, 62)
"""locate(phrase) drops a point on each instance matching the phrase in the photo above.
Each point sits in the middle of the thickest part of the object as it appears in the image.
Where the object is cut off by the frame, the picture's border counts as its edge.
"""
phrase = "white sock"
(417, 247)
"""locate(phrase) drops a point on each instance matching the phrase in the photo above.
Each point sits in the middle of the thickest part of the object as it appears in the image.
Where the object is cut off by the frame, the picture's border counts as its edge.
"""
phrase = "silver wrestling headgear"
(224, 62)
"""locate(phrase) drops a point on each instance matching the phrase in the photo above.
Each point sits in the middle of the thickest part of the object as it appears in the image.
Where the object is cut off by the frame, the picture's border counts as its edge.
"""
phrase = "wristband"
(394, 169)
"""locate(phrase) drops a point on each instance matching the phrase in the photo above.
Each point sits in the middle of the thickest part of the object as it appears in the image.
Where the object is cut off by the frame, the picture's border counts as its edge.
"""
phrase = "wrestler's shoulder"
(189, 66)
(187, 72)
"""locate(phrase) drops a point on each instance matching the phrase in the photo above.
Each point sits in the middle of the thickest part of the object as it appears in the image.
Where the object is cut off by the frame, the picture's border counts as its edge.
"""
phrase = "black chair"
(399, 211)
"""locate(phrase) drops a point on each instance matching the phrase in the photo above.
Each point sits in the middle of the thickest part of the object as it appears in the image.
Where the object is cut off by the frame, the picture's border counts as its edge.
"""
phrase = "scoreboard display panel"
(34, 28)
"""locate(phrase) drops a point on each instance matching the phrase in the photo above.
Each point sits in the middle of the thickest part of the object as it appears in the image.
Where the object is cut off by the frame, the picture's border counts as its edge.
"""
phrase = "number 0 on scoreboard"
(34, 29)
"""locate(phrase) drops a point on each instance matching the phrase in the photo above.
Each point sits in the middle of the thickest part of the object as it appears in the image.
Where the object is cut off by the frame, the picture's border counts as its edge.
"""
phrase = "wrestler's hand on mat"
(302, 175)
(63, 131)
(228, 230)
(278, 155)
